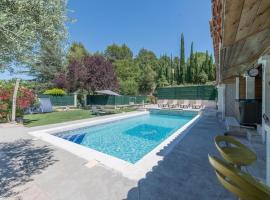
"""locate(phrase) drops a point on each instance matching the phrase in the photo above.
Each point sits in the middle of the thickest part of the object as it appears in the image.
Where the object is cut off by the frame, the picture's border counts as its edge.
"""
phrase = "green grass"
(64, 116)
(55, 117)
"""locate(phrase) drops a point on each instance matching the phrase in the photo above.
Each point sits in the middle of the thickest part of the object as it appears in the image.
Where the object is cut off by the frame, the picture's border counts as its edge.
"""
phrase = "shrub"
(55, 92)
(25, 99)
(151, 99)
(202, 78)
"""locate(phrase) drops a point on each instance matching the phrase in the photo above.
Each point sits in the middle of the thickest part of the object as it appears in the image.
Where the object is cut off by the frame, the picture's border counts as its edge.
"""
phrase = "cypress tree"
(182, 70)
(190, 66)
(171, 72)
(211, 75)
(206, 63)
(196, 69)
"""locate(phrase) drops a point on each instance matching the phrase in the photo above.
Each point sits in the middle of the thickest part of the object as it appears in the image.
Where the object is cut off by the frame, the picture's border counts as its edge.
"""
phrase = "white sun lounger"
(173, 104)
(197, 104)
(185, 104)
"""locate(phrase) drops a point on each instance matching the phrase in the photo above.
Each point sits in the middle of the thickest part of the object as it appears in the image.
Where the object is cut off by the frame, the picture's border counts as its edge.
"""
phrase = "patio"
(33, 169)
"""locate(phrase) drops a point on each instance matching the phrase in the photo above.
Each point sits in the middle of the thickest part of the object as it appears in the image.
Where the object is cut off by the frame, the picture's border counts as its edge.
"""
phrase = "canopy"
(108, 92)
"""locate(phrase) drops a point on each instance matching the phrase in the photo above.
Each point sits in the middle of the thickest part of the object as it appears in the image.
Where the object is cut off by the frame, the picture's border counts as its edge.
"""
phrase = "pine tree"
(182, 70)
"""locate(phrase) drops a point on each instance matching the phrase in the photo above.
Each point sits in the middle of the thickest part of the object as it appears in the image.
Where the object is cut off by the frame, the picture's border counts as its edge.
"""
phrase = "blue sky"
(152, 24)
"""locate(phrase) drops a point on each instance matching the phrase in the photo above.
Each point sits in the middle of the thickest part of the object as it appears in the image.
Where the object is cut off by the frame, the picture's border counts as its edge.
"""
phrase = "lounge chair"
(159, 103)
(173, 104)
(185, 104)
(163, 103)
(197, 104)
(96, 111)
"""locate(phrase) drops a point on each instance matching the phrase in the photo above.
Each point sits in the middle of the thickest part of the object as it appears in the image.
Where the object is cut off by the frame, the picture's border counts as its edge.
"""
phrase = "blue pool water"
(128, 139)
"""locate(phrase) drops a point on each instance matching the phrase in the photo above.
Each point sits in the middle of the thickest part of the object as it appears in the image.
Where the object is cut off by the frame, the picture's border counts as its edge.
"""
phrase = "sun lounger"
(163, 103)
(173, 104)
(185, 104)
(197, 104)
(96, 111)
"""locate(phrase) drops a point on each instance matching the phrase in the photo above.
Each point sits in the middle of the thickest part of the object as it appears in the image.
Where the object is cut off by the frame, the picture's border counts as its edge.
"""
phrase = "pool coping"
(132, 171)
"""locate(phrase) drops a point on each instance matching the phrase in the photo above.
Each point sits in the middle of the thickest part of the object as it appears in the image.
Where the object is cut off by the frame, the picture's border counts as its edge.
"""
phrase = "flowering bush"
(25, 99)
(55, 92)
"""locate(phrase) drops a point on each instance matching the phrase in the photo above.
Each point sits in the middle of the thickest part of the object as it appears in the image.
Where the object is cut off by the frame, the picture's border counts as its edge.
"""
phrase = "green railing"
(201, 92)
(114, 100)
(67, 100)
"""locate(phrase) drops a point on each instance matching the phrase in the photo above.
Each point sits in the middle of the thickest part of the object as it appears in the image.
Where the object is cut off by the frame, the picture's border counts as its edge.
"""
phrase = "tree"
(51, 62)
(164, 71)
(129, 87)
(75, 76)
(190, 66)
(99, 74)
(147, 80)
(202, 78)
(128, 73)
(77, 51)
(176, 64)
(196, 69)
(147, 58)
(25, 28)
(115, 52)
(211, 69)
(205, 64)
(126, 69)
(94, 73)
(162, 82)
(182, 67)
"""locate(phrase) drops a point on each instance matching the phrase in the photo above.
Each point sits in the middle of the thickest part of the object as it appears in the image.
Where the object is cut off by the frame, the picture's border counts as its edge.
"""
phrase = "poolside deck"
(32, 169)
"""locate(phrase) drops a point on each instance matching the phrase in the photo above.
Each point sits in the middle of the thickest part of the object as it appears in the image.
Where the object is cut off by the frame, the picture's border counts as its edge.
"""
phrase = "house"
(241, 38)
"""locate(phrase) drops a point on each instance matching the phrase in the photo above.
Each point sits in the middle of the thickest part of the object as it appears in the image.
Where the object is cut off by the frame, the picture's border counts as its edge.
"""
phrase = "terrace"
(31, 169)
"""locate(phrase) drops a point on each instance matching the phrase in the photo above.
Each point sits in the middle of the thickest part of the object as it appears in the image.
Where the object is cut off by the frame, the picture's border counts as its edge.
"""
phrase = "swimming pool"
(129, 139)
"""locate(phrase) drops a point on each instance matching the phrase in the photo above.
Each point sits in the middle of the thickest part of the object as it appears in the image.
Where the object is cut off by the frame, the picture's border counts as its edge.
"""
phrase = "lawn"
(55, 117)
(64, 116)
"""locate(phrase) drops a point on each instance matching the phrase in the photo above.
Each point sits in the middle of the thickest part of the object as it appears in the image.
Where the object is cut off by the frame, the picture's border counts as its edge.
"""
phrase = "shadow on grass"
(29, 121)
(19, 161)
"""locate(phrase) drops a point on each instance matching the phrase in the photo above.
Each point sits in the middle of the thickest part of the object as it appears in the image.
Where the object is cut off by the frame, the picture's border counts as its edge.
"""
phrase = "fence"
(203, 92)
(67, 100)
(114, 100)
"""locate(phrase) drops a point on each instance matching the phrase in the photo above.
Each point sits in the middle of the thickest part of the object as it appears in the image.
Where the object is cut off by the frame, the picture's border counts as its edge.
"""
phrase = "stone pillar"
(265, 61)
(221, 99)
(75, 100)
(250, 87)
(85, 99)
(237, 85)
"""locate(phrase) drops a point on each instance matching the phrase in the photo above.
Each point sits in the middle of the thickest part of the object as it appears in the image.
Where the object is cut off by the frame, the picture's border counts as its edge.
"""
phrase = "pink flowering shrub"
(25, 99)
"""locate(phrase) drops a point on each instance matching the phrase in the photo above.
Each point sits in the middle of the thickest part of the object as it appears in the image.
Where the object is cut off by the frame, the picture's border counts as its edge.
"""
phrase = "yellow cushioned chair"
(234, 151)
(238, 182)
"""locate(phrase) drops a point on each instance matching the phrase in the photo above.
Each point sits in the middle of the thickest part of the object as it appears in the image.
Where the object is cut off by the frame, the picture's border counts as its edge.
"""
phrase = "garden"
(58, 69)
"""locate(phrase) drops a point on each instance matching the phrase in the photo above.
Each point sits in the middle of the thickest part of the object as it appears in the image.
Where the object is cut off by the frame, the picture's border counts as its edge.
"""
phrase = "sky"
(152, 24)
